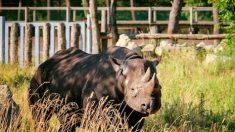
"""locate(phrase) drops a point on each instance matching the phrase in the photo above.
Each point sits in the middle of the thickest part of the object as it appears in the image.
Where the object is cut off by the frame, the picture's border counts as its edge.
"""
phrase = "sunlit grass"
(195, 96)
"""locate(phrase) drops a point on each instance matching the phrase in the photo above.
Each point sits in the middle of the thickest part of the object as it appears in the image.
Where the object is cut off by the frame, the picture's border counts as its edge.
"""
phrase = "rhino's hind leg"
(43, 109)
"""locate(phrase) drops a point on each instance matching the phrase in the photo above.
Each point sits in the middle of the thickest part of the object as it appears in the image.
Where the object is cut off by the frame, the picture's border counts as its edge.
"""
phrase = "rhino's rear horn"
(153, 79)
(146, 75)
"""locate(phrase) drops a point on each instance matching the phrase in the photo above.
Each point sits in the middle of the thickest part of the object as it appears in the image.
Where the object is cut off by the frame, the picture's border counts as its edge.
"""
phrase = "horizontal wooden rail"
(172, 36)
(106, 8)
(67, 9)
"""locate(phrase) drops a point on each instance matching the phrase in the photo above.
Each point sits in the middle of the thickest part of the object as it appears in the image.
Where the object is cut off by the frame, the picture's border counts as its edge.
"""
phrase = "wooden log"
(95, 28)
(46, 41)
(28, 45)
(75, 35)
(61, 36)
(14, 43)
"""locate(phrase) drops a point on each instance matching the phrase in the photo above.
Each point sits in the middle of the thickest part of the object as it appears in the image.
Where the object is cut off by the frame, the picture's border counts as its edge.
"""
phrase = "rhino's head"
(139, 84)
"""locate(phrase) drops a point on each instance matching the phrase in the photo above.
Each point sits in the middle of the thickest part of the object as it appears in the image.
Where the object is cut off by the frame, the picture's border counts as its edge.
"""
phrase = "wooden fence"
(151, 12)
(22, 42)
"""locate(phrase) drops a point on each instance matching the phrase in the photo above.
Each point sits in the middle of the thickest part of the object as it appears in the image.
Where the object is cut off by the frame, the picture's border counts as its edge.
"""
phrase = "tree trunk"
(174, 16)
(107, 2)
(94, 27)
(1, 6)
(113, 23)
(132, 10)
(68, 4)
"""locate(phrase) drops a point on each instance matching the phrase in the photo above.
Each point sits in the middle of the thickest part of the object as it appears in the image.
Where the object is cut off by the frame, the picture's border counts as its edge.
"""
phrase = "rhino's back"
(73, 74)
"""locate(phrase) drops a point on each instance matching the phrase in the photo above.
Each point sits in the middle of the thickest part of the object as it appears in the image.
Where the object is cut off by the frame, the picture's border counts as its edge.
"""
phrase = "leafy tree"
(197, 3)
(227, 9)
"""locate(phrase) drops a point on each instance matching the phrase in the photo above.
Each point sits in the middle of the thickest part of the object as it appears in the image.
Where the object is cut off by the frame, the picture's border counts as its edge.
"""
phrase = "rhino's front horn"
(146, 75)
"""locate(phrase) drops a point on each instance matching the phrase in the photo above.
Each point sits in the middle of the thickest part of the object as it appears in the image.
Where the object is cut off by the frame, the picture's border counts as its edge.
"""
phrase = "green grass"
(195, 96)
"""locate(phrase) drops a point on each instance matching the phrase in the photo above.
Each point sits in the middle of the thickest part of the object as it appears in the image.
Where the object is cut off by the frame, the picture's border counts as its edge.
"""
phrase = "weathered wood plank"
(22, 45)
(52, 40)
(36, 46)
(2, 38)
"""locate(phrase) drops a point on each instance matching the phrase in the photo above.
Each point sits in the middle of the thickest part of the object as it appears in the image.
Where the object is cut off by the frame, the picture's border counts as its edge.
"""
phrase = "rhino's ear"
(116, 63)
(156, 61)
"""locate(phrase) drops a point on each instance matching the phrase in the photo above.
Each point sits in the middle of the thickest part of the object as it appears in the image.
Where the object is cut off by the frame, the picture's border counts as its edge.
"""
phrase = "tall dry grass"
(196, 97)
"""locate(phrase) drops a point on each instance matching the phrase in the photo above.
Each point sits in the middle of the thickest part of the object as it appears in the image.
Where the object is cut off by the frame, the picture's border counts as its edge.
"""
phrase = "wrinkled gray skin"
(118, 73)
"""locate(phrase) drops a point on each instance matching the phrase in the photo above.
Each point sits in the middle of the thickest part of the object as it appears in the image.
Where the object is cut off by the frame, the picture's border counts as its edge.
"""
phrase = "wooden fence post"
(152, 30)
(46, 40)
(95, 27)
(89, 35)
(216, 24)
(68, 14)
(14, 43)
(75, 34)
(26, 11)
(48, 11)
(28, 45)
(61, 36)
(104, 29)
(2, 38)
(103, 21)
(191, 19)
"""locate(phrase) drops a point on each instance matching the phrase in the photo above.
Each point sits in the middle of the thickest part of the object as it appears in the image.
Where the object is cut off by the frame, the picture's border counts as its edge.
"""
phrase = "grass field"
(195, 96)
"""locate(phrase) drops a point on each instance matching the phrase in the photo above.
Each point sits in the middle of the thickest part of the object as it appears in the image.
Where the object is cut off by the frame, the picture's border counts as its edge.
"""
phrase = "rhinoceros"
(118, 73)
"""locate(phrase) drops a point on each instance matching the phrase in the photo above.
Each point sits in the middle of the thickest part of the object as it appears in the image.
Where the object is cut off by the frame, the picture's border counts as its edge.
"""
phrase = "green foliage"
(197, 3)
(226, 10)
